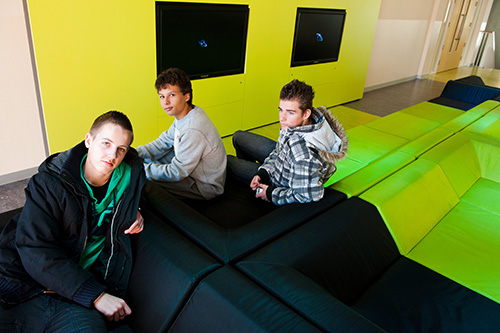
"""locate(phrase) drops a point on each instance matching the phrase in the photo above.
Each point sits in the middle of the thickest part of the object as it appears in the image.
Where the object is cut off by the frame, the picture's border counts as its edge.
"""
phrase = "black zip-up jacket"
(41, 247)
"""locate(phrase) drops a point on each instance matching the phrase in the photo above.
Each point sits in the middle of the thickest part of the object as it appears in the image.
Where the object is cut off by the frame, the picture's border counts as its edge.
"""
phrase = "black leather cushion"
(472, 79)
(225, 301)
(167, 268)
(344, 250)
(464, 93)
(347, 254)
(333, 257)
(236, 207)
(412, 297)
(453, 103)
(235, 224)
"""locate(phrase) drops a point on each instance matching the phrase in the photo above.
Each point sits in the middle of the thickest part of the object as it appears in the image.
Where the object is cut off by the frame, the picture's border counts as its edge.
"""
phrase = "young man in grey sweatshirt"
(189, 159)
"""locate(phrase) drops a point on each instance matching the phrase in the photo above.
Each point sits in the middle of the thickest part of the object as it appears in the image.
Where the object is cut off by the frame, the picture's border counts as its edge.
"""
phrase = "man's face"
(174, 102)
(107, 148)
(291, 115)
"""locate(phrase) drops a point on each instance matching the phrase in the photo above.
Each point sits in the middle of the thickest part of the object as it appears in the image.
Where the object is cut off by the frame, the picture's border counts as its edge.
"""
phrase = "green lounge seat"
(362, 179)
(460, 122)
(403, 125)
(443, 211)
(488, 125)
(432, 111)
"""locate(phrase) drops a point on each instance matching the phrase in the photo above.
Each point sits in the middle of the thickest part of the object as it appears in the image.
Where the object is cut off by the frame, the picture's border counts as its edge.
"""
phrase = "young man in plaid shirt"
(295, 168)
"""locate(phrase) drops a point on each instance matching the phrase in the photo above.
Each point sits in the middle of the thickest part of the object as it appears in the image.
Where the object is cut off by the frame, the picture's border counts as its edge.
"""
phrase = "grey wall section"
(35, 78)
(23, 141)
(494, 25)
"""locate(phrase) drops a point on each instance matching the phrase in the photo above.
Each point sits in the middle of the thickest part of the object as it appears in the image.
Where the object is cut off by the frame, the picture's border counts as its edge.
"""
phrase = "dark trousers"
(51, 313)
(251, 151)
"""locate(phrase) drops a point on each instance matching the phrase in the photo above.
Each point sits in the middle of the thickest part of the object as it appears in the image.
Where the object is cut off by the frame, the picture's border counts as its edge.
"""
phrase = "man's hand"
(262, 195)
(255, 183)
(137, 226)
(113, 308)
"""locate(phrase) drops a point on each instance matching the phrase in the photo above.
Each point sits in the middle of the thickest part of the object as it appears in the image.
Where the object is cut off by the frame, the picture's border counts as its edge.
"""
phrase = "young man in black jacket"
(65, 260)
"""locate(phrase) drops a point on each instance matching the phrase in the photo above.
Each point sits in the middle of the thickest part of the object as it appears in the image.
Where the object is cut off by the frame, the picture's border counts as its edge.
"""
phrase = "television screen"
(205, 40)
(318, 35)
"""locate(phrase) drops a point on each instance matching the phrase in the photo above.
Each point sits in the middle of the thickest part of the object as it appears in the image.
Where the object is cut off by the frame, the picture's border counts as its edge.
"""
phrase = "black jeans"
(51, 313)
(251, 151)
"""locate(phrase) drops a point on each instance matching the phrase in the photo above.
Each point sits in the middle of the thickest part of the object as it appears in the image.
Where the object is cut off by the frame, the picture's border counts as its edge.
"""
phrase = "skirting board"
(390, 83)
(18, 175)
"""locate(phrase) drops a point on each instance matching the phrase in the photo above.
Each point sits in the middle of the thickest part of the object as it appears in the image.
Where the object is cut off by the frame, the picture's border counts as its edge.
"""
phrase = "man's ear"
(187, 96)
(306, 114)
(88, 140)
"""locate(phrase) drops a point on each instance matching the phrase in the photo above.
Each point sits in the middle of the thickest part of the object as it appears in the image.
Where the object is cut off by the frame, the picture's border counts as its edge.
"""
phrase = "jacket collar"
(67, 164)
(317, 119)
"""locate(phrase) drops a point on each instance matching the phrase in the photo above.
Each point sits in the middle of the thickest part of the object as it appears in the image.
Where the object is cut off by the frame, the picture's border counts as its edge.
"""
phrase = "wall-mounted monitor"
(318, 35)
(205, 40)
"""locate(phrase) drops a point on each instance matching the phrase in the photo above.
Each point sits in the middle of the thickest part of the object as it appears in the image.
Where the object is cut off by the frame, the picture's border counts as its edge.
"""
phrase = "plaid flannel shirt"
(295, 170)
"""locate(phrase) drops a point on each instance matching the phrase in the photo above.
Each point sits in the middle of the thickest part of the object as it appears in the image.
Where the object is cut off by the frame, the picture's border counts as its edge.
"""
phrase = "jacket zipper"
(112, 239)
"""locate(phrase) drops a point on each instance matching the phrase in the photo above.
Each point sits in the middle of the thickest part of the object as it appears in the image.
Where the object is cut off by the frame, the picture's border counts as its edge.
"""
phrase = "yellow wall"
(96, 55)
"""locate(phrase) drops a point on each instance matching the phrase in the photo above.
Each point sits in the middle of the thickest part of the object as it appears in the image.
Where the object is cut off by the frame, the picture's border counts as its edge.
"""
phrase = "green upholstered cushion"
(470, 116)
(403, 125)
(465, 247)
(484, 194)
(420, 145)
(477, 136)
(443, 210)
(367, 144)
(483, 124)
(432, 111)
(458, 160)
(465, 159)
(412, 201)
(488, 154)
(359, 181)
(493, 129)
(345, 167)
(485, 107)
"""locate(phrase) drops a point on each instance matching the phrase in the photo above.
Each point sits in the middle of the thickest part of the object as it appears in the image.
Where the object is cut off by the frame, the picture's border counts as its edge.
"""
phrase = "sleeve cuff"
(269, 192)
(88, 292)
(264, 176)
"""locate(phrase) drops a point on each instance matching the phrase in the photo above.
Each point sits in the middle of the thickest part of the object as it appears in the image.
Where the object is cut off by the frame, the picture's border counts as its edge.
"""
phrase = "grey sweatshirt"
(199, 154)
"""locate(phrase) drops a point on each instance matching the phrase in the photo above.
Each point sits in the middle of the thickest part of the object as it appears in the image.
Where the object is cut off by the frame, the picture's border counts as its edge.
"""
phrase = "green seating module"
(383, 146)
(371, 174)
(443, 210)
(460, 122)
(435, 112)
(367, 144)
(488, 125)
(403, 125)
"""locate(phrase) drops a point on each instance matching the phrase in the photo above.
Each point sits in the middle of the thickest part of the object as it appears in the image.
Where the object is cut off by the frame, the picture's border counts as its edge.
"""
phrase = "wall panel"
(99, 55)
(22, 144)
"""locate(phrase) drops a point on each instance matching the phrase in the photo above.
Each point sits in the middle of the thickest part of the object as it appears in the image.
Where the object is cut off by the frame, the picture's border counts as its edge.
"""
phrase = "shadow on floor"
(384, 101)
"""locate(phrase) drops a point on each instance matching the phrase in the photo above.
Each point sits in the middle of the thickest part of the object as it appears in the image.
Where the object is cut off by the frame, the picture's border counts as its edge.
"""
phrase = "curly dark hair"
(298, 90)
(175, 77)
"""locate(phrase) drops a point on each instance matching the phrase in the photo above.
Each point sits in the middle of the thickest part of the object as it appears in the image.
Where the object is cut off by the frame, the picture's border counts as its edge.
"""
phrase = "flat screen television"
(205, 40)
(318, 35)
